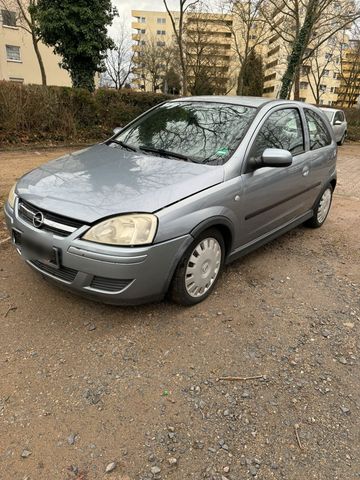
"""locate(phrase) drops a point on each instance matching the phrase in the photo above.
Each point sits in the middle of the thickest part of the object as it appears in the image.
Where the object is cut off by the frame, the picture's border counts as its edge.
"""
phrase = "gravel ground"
(94, 392)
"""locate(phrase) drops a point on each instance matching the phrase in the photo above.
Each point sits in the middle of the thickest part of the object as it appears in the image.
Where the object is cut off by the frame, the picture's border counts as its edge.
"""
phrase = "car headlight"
(12, 196)
(125, 230)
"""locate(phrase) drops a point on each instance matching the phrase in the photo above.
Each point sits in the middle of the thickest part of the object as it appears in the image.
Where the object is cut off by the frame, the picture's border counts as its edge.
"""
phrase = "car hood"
(101, 181)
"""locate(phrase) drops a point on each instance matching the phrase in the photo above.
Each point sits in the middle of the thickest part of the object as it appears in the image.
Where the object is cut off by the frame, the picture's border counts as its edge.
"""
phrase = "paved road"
(84, 385)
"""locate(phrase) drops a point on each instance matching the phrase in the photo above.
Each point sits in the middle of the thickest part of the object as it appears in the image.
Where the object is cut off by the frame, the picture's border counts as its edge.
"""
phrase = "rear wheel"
(321, 209)
(198, 271)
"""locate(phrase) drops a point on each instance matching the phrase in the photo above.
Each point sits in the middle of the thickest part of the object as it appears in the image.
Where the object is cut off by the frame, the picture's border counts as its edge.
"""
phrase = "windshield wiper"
(165, 153)
(124, 145)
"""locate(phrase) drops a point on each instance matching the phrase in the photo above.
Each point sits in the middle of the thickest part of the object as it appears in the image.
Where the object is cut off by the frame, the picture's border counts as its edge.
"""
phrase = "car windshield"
(202, 132)
(329, 114)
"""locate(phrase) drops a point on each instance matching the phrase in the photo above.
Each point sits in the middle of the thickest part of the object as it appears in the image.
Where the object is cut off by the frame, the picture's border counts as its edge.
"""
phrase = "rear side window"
(339, 117)
(282, 129)
(318, 131)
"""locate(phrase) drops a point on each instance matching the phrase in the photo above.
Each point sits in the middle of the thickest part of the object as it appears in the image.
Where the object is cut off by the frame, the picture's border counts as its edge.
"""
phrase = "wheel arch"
(222, 224)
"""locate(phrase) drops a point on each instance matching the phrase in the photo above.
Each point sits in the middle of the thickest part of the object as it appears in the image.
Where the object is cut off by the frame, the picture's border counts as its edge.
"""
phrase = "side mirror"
(276, 157)
(338, 122)
(117, 130)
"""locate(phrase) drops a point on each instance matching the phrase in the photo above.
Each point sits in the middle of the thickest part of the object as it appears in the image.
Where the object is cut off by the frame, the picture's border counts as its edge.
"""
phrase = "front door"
(274, 196)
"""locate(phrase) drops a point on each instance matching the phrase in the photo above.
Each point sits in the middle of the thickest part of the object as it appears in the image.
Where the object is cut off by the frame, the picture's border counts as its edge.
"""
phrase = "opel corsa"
(187, 187)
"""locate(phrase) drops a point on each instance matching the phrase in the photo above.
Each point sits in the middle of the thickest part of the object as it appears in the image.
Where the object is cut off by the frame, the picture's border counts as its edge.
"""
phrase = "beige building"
(323, 78)
(18, 62)
(205, 32)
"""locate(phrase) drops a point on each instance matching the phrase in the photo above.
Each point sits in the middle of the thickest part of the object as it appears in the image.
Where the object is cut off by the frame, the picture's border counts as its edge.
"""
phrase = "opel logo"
(38, 220)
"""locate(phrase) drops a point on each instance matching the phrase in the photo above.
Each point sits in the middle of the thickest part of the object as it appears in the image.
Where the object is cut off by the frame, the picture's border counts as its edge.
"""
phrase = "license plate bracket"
(36, 251)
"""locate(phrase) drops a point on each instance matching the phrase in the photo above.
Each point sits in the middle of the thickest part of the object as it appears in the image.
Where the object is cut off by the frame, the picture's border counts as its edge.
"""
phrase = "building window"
(303, 85)
(142, 20)
(160, 32)
(13, 53)
(326, 73)
(323, 88)
(142, 31)
(16, 80)
(160, 44)
(161, 20)
(8, 18)
(328, 56)
(143, 42)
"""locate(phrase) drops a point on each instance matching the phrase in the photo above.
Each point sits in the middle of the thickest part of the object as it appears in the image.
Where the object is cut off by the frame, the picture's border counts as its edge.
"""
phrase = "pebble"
(342, 360)
(110, 467)
(25, 453)
(253, 471)
(91, 327)
(226, 469)
(71, 439)
(172, 461)
(245, 394)
(345, 409)
(155, 470)
(325, 333)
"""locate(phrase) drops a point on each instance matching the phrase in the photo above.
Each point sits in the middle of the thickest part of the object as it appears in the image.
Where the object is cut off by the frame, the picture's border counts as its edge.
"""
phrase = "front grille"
(52, 222)
(109, 284)
(63, 273)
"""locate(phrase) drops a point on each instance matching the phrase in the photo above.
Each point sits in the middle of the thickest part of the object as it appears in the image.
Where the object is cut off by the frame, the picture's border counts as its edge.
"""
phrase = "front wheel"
(198, 270)
(321, 209)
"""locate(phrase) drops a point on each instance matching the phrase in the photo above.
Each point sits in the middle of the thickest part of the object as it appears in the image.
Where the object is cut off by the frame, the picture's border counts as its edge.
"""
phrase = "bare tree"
(153, 62)
(119, 60)
(249, 30)
(208, 60)
(305, 25)
(349, 72)
(178, 25)
(317, 69)
(25, 19)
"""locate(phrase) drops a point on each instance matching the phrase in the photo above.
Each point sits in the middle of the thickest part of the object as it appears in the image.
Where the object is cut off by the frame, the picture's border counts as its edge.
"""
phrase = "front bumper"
(115, 275)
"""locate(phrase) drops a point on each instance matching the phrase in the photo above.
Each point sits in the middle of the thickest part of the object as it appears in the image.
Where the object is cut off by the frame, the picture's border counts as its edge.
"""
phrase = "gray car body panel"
(254, 206)
(102, 181)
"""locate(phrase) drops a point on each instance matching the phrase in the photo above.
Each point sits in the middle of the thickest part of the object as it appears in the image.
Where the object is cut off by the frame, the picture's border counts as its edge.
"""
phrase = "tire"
(342, 141)
(321, 209)
(187, 290)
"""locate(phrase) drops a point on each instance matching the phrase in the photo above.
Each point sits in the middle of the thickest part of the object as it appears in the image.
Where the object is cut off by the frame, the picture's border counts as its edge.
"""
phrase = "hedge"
(47, 115)
(37, 114)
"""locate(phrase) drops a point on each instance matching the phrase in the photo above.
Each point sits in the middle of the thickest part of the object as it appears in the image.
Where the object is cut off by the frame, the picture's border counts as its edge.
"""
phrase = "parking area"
(140, 391)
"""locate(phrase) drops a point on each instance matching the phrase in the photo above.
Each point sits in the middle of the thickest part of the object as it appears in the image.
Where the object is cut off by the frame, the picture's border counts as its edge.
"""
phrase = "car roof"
(331, 109)
(234, 100)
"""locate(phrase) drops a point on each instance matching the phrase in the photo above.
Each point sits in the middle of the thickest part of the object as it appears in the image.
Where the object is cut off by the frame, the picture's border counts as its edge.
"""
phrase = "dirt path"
(84, 385)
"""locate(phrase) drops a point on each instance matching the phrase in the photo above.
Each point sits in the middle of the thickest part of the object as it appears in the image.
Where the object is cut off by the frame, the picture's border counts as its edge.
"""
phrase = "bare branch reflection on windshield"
(201, 132)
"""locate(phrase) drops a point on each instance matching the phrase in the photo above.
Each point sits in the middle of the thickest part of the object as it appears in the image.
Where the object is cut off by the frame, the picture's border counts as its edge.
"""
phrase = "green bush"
(33, 113)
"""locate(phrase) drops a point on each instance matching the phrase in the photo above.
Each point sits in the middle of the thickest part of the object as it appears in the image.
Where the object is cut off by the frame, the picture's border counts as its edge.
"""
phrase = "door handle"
(305, 171)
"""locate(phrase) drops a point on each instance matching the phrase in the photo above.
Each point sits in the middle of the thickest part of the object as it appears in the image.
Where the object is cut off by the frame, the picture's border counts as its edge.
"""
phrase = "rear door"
(272, 197)
(339, 129)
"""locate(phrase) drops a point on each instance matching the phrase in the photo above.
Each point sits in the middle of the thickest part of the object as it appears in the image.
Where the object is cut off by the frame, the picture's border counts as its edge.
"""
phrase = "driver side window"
(282, 129)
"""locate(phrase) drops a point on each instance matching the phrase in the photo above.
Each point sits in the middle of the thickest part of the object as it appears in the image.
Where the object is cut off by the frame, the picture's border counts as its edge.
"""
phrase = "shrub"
(33, 113)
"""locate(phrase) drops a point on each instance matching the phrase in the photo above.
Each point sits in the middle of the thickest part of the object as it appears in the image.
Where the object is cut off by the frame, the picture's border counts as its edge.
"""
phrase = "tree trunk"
(39, 59)
(298, 49)
(240, 81)
(297, 84)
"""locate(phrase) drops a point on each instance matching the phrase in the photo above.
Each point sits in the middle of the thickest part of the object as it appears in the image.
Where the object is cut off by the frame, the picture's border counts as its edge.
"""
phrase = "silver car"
(187, 187)
(338, 122)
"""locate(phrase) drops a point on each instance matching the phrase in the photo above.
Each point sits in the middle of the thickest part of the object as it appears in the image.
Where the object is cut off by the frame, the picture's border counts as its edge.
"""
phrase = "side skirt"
(253, 245)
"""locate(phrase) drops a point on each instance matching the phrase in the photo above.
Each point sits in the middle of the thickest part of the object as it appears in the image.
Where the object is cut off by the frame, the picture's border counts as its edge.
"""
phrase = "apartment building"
(348, 93)
(319, 80)
(208, 44)
(18, 62)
